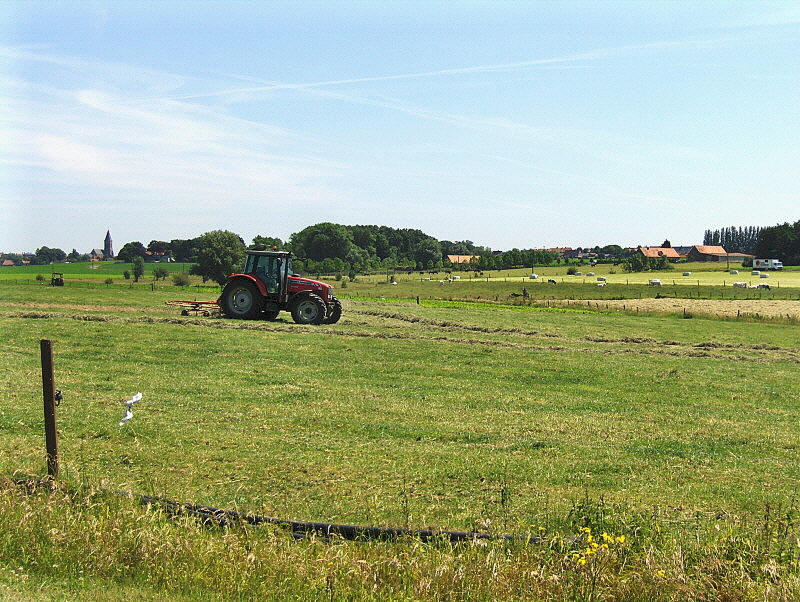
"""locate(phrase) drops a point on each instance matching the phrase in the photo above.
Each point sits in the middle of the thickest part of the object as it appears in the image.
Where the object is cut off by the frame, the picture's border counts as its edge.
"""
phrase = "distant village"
(672, 254)
(46, 255)
(712, 253)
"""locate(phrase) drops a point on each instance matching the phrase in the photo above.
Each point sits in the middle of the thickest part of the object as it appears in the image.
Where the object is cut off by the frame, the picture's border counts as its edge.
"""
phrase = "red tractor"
(268, 286)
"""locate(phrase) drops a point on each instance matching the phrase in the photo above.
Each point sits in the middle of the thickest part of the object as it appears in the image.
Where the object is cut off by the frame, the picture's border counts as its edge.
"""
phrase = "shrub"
(108, 281)
(571, 271)
(180, 279)
(160, 273)
(126, 274)
(39, 278)
(138, 268)
(338, 277)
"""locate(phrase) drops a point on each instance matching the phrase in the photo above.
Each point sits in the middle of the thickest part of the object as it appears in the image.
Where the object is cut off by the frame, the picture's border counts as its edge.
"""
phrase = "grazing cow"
(764, 286)
(739, 285)
(551, 281)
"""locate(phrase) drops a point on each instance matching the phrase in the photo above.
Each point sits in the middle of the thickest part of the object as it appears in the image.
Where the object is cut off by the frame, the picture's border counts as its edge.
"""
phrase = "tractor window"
(266, 270)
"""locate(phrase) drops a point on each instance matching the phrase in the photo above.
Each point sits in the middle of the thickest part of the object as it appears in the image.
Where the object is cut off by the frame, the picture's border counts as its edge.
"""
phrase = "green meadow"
(81, 271)
(678, 438)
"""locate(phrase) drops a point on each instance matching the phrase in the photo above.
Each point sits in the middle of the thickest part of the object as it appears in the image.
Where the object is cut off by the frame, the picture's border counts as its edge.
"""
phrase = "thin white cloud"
(113, 75)
(591, 55)
(83, 141)
(787, 14)
(64, 154)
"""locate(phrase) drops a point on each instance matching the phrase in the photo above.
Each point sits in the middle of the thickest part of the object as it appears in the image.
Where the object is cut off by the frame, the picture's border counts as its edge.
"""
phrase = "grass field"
(681, 435)
(707, 274)
(85, 270)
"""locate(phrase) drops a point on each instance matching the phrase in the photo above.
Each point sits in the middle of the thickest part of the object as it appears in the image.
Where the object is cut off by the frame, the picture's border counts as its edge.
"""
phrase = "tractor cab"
(268, 285)
(272, 268)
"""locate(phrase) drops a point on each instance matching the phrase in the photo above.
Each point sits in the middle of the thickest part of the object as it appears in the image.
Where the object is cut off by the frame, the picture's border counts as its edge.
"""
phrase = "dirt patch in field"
(700, 307)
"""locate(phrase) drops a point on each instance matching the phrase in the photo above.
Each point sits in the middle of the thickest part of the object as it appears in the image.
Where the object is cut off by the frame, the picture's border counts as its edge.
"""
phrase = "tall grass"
(438, 415)
(89, 541)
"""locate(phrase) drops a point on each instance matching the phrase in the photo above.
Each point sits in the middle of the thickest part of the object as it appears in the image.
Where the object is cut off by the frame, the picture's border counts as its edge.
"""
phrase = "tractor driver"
(272, 283)
(267, 272)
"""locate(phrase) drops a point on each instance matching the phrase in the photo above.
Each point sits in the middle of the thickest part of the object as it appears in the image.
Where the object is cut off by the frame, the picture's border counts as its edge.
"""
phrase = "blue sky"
(520, 124)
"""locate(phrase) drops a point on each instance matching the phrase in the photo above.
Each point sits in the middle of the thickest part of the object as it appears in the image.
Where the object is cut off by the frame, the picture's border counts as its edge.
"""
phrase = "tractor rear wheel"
(335, 313)
(242, 300)
(309, 309)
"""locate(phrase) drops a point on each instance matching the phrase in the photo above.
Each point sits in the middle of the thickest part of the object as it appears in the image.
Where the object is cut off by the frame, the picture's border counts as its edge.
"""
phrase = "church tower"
(108, 246)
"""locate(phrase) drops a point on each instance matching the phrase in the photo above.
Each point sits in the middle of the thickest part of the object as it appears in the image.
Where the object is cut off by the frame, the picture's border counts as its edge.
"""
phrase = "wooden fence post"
(49, 397)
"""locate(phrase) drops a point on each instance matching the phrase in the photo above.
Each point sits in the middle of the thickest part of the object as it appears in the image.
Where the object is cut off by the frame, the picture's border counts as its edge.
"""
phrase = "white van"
(767, 264)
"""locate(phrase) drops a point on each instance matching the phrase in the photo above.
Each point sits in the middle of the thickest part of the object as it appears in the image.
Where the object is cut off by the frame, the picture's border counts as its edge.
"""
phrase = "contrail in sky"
(584, 56)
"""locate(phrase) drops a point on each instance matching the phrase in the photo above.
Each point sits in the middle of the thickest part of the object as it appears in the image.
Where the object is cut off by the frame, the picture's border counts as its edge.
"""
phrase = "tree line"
(734, 239)
(781, 241)
(335, 248)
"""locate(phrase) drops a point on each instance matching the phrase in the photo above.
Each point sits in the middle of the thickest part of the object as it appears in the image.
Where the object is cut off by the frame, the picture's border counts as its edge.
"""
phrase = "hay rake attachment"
(201, 308)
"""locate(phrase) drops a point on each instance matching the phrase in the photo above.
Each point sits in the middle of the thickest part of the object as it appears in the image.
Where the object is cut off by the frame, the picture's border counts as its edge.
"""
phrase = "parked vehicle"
(767, 264)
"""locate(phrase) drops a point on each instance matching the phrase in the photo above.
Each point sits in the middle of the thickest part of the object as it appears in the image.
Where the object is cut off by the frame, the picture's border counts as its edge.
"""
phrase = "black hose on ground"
(227, 518)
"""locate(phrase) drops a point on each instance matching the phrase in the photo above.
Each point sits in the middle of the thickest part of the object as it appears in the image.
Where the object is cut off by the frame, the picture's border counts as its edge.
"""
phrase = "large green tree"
(264, 243)
(780, 242)
(131, 250)
(428, 253)
(219, 254)
(182, 249)
(322, 241)
(158, 246)
(46, 255)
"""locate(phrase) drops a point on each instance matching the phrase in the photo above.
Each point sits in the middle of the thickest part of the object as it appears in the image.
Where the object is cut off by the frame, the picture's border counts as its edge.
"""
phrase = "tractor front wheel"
(335, 313)
(309, 309)
(241, 300)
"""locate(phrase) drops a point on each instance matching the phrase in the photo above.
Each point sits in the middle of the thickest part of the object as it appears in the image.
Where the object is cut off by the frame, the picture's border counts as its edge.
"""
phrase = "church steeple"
(108, 246)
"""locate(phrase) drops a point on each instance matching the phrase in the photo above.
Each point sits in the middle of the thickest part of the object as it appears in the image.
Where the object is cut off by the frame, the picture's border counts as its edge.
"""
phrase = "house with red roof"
(462, 258)
(715, 253)
(656, 252)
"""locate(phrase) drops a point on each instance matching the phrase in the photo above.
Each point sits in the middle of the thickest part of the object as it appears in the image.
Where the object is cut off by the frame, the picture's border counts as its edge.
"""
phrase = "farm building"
(579, 253)
(560, 251)
(656, 252)
(96, 255)
(734, 257)
(8, 262)
(462, 258)
(715, 253)
(158, 257)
